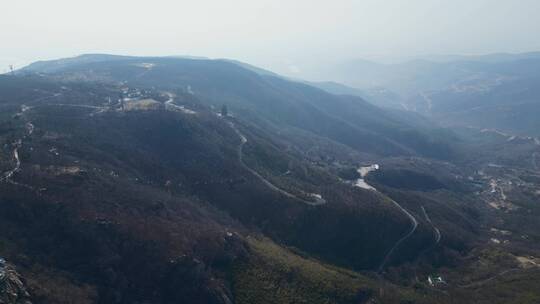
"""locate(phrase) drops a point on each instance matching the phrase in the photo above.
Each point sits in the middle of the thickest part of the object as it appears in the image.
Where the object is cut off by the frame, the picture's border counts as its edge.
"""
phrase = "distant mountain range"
(498, 91)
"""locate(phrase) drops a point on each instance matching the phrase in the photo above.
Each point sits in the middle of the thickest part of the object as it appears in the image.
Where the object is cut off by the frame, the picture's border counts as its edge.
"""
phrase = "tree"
(224, 110)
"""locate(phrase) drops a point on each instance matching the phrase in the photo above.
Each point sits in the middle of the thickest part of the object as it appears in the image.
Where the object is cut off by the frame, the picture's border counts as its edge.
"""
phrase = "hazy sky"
(284, 36)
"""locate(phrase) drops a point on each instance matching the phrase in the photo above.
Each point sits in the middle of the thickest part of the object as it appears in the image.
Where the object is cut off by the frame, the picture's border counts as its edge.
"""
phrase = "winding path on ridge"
(243, 140)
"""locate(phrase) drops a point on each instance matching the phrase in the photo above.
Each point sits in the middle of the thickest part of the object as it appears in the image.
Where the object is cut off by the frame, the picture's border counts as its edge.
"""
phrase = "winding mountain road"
(435, 229)
(243, 140)
(364, 171)
(414, 225)
(6, 176)
(169, 103)
(98, 109)
(485, 281)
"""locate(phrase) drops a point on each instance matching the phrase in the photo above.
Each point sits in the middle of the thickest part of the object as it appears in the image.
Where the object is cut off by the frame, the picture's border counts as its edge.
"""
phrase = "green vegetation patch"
(275, 275)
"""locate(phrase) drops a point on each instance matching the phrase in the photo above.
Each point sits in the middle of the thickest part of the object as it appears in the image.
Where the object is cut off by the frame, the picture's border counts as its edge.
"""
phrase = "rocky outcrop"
(12, 289)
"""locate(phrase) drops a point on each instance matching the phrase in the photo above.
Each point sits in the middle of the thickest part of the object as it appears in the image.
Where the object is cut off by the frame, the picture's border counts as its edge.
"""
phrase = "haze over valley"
(307, 152)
